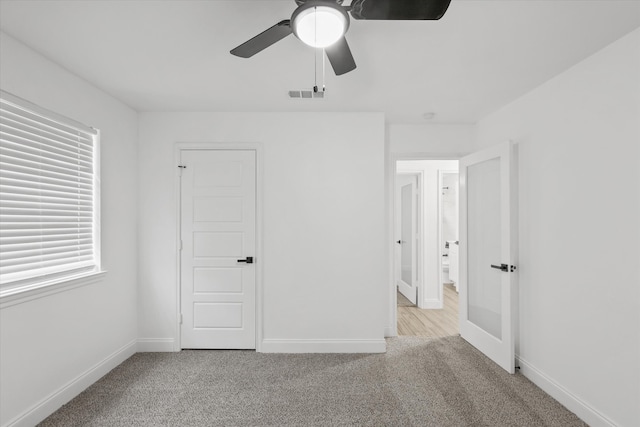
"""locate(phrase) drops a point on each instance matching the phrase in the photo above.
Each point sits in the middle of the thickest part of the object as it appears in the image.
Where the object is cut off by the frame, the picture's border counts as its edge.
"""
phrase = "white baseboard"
(390, 331)
(64, 394)
(323, 346)
(432, 304)
(154, 345)
(582, 409)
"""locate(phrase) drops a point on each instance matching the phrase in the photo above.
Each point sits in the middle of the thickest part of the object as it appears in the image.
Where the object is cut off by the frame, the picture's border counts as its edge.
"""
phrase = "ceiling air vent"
(306, 94)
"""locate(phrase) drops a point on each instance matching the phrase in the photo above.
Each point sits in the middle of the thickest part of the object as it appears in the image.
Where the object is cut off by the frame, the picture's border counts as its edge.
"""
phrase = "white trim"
(258, 148)
(20, 295)
(97, 201)
(439, 219)
(323, 346)
(64, 394)
(155, 345)
(427, 156)
(441, 173)
(582, 409)
(177, 191)
(391, 327)
(259, 244)
(433, 303)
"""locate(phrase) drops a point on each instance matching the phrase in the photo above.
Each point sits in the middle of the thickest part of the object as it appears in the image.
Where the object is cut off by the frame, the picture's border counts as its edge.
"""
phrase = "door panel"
(487, 241)
(407, 214)
(221, 279)
(484, 246)
(406, 233)
(218, 203)
(214, 315)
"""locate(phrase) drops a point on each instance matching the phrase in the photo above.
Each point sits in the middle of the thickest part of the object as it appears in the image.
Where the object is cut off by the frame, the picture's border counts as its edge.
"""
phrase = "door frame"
(391, 327)
(237, 146)
(440, 220)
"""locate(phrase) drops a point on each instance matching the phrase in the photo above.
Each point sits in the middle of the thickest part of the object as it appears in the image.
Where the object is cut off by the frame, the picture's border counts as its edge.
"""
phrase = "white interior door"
(487, 253)
(407, 230)
(218, 232)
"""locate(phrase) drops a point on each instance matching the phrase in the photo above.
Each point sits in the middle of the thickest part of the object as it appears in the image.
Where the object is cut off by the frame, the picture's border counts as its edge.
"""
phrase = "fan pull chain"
(315, 51)
(323, 69)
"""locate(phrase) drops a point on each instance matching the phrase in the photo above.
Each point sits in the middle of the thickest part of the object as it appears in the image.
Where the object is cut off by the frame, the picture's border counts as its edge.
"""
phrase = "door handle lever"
(504, 267)
(248, 260)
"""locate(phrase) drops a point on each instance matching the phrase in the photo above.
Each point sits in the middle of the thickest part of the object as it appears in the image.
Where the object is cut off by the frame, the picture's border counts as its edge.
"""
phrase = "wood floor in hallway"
(429, 323)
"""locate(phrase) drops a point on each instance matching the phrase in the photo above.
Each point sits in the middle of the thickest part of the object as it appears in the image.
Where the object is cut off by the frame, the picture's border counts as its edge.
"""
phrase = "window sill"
(12, 297)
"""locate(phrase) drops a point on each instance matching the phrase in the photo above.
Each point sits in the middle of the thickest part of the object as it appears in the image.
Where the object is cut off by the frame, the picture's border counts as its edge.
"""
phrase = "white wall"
(579, 142)
(431, 289)
(431, 140)
(54, 346)
(324, 225)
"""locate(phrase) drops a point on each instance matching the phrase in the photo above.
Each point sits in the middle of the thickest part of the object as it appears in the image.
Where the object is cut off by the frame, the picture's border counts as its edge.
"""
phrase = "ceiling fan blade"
(401, 10)
(263, 40)
(340, 57)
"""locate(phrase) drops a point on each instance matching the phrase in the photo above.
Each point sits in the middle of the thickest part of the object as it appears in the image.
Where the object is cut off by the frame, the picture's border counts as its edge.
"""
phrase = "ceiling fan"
(323, 24)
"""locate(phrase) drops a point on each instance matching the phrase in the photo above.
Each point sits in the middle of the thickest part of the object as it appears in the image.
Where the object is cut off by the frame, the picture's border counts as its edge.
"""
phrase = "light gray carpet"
(418, 382)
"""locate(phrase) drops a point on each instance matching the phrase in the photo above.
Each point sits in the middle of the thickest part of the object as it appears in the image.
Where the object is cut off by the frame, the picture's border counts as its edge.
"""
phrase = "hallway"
(415, 321)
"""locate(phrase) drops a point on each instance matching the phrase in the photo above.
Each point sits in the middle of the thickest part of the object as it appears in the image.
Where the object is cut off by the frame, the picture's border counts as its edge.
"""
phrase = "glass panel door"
(406, 223)
(487, 253)
(406, 233)
(484, 246)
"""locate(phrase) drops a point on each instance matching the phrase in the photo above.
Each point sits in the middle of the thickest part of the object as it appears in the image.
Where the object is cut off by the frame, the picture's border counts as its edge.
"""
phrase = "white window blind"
(48, 218)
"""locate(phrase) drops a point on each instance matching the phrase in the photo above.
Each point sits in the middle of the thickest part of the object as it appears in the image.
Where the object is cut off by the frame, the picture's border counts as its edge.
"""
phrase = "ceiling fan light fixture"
(319, 24)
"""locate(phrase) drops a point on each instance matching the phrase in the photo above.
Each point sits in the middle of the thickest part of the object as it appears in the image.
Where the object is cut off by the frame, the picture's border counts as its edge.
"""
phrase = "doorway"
(431, 245)
(488, 224)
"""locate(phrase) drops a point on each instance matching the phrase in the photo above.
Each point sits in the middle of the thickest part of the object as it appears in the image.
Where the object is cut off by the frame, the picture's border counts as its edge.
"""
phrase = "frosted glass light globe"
(320, 26)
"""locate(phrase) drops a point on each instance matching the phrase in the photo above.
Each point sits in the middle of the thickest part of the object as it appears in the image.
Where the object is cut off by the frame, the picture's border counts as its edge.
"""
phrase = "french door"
(407, 277)
(488, 276)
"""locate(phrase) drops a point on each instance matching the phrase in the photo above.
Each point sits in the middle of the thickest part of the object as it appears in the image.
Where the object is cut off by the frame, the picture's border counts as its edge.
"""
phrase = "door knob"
(248, 260)
(399, 242)
(504, 267)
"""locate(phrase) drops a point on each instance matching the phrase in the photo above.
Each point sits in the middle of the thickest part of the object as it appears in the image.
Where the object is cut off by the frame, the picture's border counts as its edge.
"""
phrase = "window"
(49, 231)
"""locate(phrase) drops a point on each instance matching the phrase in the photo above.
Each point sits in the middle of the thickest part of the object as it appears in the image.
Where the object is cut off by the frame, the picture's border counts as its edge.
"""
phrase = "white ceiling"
(174, 55)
